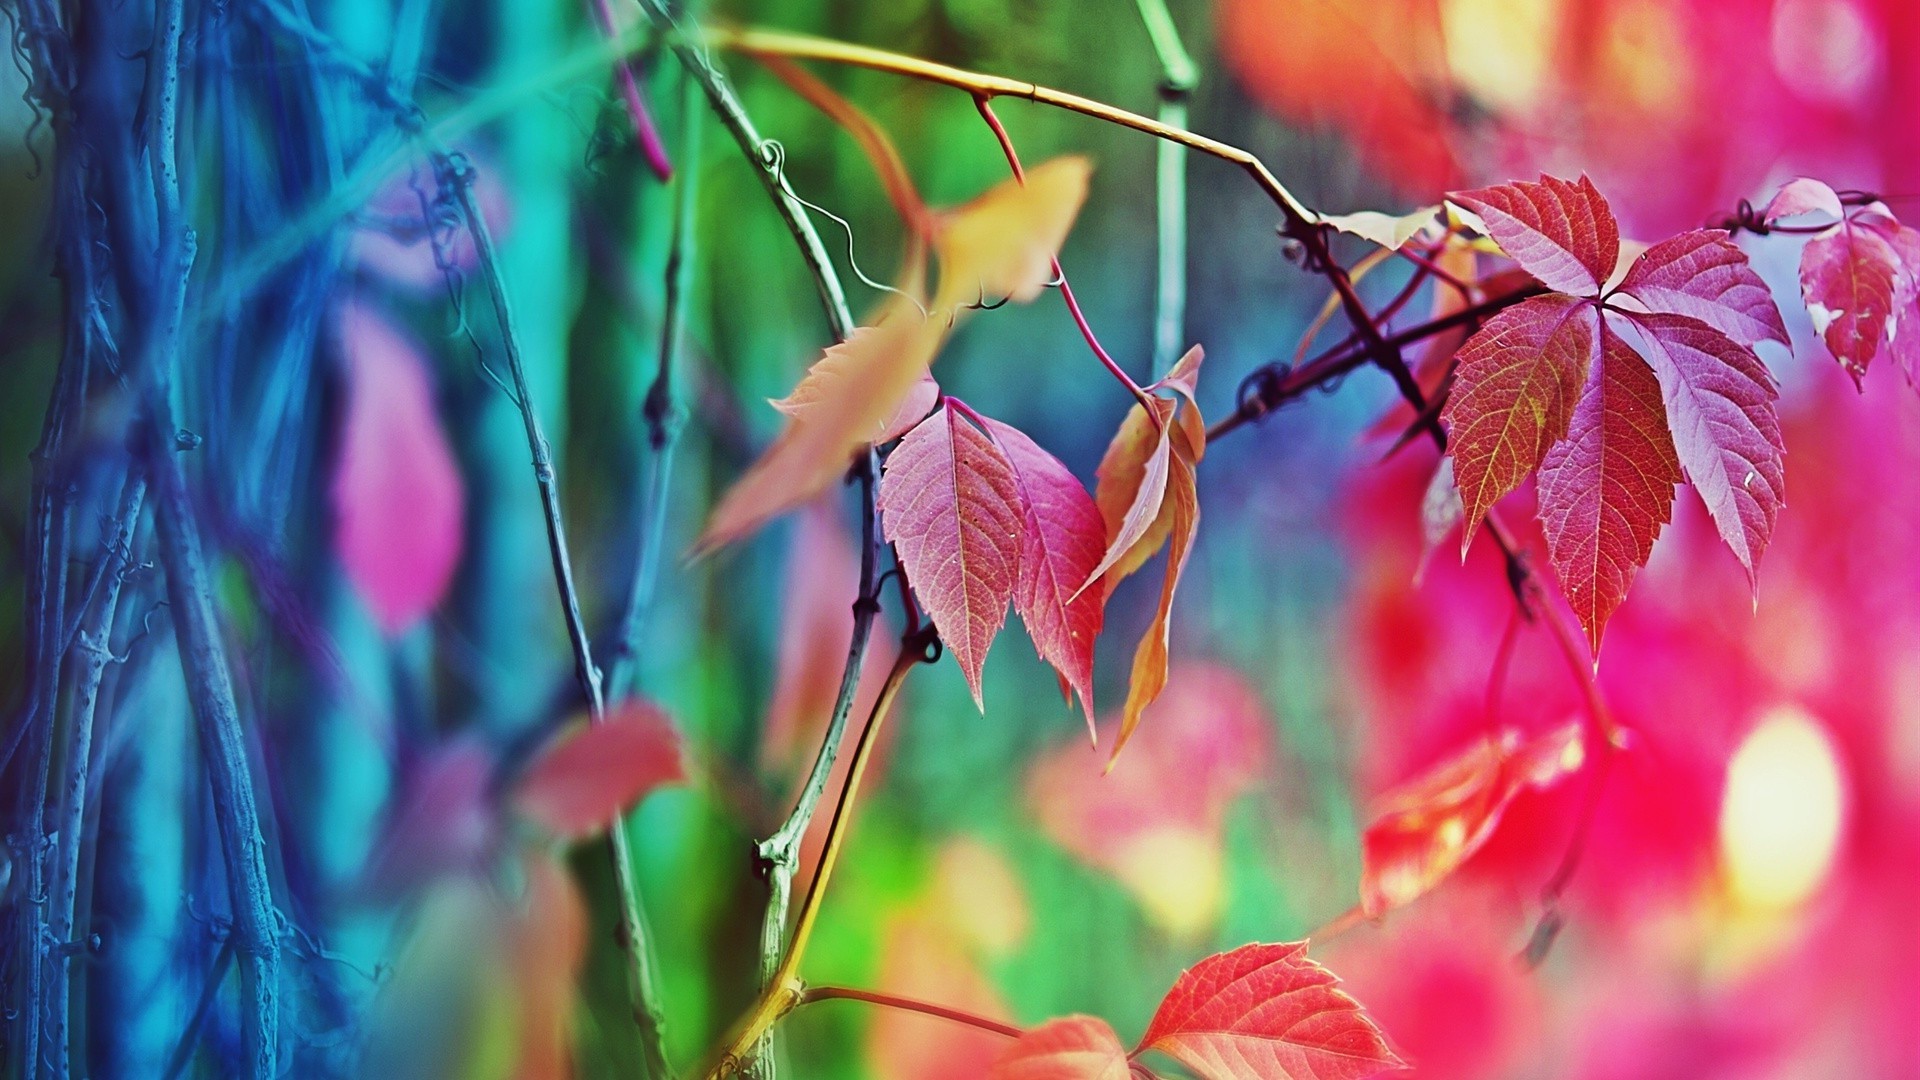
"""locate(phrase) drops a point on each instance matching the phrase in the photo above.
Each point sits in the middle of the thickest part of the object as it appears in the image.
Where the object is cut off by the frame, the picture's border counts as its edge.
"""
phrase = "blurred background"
(1745, 906)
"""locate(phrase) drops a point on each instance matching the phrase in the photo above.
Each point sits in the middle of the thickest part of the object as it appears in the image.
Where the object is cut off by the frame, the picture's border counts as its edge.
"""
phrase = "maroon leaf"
(1850, 276)
(399, 506)
(951, 504)
(1515, 388)
(1266, 1012)
(1702, 274)
(1726, 430)
(1060, 544)
(1607, 489)
(1802, 196)
(584, 781)
(1069, 1048)
(1559, 231)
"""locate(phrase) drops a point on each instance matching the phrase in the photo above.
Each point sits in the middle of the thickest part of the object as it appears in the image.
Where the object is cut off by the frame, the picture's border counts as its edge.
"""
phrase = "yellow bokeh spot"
(1175, 873)
(1781, 813)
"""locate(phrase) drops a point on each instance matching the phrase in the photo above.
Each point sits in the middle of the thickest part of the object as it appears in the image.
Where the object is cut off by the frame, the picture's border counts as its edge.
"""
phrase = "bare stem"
(637, 941)
(906, 1004)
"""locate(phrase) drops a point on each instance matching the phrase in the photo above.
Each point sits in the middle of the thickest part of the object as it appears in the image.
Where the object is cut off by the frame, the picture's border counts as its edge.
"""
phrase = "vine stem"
(636, 940)
(893, 1001)
(662, 412)
(985, 106)
(785, 990)
(805, 47)
(1178, 76)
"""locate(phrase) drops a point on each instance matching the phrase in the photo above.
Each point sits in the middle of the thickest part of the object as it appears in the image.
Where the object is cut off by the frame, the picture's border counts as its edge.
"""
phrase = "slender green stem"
(906, 1004)
(1178, 76)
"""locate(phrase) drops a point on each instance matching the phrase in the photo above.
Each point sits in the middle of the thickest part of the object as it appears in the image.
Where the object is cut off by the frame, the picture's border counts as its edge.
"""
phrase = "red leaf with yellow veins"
(1430, 825)
(1515, 388)
(1850, 277)
(1726, 427)
(1002, 244)
(1607, 488)
(1069, 1048)
(1267, 1012)
(586, 779)
(1060, 544)
(950, 503)
(1560, 231)
(873, 376)
(1704, 275)
(1149, 674)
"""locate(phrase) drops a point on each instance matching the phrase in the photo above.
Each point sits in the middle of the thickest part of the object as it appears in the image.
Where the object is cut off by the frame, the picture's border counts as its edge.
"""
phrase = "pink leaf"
(1431, 824)
(1802, 196)
(1725, 426)
(951, 504)
(1266, 1012)
(399, 506)
(1850, 277)
(1069, 1048)
(584, 781)
(1702, 274)
(1559, 231)
(1515, 388)
(1060, 545)
(1607, 489)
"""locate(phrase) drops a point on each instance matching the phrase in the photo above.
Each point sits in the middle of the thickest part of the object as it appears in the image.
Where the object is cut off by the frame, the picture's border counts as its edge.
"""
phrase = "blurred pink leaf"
(399, 505)
(1069, 1048)
(579, 785)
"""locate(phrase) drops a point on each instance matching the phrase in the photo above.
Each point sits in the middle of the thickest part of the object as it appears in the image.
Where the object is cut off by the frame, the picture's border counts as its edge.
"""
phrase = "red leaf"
(1514, 392)
(584, 781)
(1266, 1012)
(1850, 277)
(1059, 547)
(1430, 825)
(1069, 1048)
(950, 503)
(862, 384)
(399, 506)
(1725, 426)
(1559, 231)
(1607, 489)
(1003, 243)
(1803, 196)
(1702, 274)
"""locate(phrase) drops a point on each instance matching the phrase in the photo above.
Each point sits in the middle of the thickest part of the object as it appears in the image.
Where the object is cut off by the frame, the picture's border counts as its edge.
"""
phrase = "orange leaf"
(1003, 243)
(1149, 675)
(583, 782)
(1430, 825)
(547, 940)
(872, 377)
(1132, 477)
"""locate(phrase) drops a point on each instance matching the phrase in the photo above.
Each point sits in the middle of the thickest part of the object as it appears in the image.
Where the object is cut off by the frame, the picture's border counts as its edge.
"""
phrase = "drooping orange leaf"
(1430, 825)
(950, 503)
(829, 376)
(873, 378)
(1002, 244)
(1069, 1048)
(1267, 1012)
(584, 781)
(1149, 674)
(1132, 476)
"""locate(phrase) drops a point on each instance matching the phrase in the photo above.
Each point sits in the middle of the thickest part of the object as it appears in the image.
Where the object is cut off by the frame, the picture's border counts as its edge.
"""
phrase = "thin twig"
(1178, 76)
(637, 940)
(662, 412)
